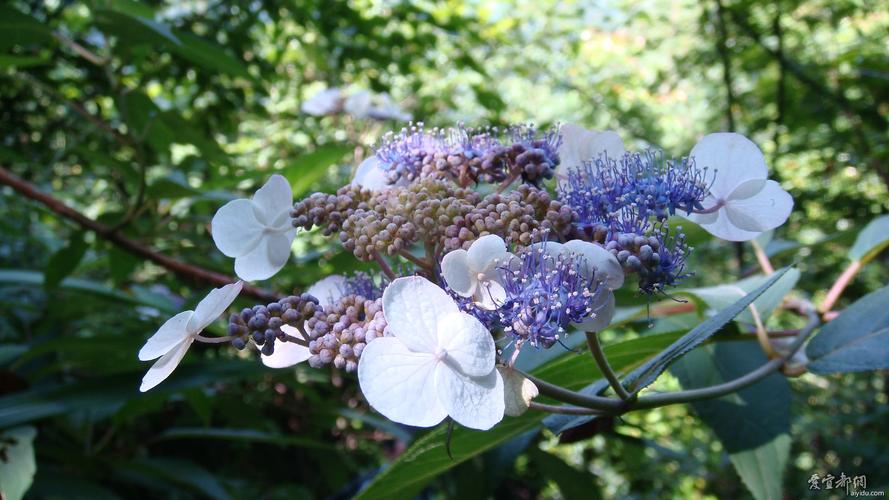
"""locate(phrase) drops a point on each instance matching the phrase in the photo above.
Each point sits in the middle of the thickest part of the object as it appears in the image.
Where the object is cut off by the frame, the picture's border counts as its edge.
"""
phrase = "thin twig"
(576, 398)
(384, 266)
(762, 258)
(416, 260)
(566, 410)
(657, 400)
(213, 340)
(592, 339)
(181, 269)
(837, 289)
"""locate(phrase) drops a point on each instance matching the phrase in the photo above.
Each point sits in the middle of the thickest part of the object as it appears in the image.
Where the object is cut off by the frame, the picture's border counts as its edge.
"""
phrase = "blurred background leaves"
(147, 116)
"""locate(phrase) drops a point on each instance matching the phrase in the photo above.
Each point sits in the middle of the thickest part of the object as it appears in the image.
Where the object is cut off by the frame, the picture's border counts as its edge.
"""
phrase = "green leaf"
(8, 61)
(121, 264)
(648, 372)
(21, 29)
(133, 29)
(104, 396)
(181, 472)
(571, 482)
(427, 457)
(135, 295)
(247, 435)
(131, 7)
(64, 261)
(308, 169)
(9, 352)
(145, 121)
(871, 240)
(762, 468)
(171, 187)
(857, 340)
(17, 464)
(753, 424)
(209, 56)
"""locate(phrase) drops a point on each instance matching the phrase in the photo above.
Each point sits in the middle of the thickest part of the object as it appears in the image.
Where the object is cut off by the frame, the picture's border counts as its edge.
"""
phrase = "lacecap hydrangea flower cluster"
(485, 235)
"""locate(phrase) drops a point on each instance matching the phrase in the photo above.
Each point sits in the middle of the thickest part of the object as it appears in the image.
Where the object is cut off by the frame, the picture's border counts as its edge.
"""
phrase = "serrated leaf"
(646, 374)
(753, 424)
(427, 457)
(871, 240)
(857, 340)
(64, 261)
(17, 464)
(757, 467)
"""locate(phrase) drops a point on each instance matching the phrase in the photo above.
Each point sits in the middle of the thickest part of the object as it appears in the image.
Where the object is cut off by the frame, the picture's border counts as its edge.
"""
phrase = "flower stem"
(384, 266)
(566, 410)
(737, 384)
(213, 340)
(762, 258)
(561, 394)
(416, 260)
(837, 289)
(592, 339)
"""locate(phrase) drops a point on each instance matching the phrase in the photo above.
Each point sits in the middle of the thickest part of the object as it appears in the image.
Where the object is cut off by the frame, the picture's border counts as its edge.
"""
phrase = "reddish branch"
(181, 269)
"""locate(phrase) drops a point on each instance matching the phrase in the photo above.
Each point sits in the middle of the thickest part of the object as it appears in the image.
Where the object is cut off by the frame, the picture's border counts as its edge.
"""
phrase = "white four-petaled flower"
(742, 202)
(580, 145)
(438, 361)
(174, 337)
(328, 291)
(257, 232)
(474, 273)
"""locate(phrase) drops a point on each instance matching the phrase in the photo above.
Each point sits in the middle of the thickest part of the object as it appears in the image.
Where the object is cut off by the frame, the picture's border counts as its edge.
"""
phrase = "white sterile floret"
(580, 145)
(371, 175)
(742, 202)
(474, 273)
(438, 361)
(518, 391)
(257, 232)
(174, 337)
(599, 265)
(326, 102)
(328, 291)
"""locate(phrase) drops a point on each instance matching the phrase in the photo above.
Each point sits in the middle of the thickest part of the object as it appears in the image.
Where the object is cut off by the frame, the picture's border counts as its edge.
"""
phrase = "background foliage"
(149, 116)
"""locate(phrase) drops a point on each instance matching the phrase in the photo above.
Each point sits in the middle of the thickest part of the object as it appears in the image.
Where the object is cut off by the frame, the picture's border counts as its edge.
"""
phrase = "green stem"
(576, 398)
(592, 339)
(566, 410)
(737, 384)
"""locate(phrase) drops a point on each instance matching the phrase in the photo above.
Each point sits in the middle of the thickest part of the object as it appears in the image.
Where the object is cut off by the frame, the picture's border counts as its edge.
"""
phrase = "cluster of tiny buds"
(339, 335)
(469, 156)
(262, 323)
(658, 259)
(329, 211)
(516, 216)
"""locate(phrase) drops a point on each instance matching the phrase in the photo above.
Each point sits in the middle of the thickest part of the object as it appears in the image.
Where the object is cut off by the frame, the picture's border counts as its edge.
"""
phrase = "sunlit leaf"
(871, 240)
(17, 464)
